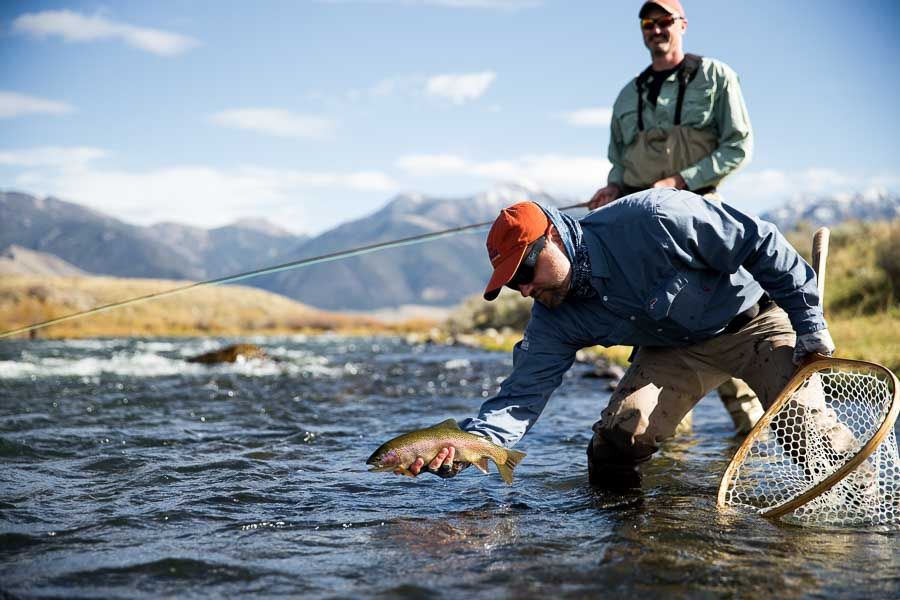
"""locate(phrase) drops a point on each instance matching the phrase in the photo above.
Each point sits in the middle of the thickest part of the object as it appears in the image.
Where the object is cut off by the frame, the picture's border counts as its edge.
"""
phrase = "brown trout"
(402, 451)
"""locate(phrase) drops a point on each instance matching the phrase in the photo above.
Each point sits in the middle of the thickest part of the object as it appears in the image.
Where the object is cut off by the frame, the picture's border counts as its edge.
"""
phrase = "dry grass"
(875, 338)
(219, 310)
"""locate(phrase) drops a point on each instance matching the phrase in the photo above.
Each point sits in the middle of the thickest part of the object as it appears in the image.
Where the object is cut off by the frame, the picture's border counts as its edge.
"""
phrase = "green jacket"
(713, 100)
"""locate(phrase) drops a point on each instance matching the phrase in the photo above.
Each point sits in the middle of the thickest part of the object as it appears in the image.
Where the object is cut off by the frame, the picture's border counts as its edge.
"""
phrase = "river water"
(127, 472)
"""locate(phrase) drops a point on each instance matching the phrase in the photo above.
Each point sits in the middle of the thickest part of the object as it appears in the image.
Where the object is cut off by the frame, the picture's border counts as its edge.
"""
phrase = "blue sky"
(310, 113)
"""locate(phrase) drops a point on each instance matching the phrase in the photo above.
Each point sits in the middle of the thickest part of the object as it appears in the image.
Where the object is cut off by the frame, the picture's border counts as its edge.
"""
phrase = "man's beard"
(658, 50)
(553, 297)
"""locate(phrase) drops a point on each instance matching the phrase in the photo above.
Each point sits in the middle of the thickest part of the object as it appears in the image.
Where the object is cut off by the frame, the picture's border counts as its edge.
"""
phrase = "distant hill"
(831, 210)
(241, 246)
(100, 244)
(437, 273)
(16, 260)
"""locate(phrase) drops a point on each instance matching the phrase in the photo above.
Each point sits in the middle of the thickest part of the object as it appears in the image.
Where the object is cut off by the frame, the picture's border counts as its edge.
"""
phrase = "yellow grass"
(219, 310)
(875, 338)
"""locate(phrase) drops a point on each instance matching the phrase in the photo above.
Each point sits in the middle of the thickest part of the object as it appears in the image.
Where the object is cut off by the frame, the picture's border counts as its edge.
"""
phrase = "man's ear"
(554, 237)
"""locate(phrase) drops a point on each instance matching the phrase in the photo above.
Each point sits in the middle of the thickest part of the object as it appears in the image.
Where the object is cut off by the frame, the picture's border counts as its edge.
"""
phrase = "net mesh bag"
(825, 453)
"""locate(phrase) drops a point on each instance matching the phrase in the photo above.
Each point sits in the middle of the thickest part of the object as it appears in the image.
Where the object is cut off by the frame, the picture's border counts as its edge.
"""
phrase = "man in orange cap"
(681, 123)
(705, 291)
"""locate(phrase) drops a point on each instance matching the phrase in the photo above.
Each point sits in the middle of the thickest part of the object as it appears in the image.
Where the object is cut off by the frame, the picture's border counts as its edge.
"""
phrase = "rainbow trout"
(402, 451)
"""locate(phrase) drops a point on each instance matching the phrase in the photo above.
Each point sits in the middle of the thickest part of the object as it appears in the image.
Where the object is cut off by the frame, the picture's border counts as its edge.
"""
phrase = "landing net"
(825, 453)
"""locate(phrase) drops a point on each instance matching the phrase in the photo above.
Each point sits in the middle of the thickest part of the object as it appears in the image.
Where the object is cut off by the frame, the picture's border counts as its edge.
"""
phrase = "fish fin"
(403, 471)
(380, 469)
(447, 424)
(513, 457)
(481, 465)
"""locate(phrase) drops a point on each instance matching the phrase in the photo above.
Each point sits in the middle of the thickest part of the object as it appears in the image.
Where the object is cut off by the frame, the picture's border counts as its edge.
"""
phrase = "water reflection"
(246, 479)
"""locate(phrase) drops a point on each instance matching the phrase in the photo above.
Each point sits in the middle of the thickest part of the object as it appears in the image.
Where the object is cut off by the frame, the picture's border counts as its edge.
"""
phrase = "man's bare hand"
(604, 196)
(442, 465)
(676, 181)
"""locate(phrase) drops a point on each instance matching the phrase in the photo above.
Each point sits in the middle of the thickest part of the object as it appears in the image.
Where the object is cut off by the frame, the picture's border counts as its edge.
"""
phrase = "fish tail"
(513, 457)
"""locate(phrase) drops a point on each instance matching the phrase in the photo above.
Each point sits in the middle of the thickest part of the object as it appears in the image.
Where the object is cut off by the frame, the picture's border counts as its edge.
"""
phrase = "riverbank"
(225, 310)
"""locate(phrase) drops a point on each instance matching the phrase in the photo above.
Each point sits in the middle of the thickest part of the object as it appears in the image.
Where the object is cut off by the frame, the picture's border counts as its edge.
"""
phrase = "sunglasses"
(663, 22)
(525, 273)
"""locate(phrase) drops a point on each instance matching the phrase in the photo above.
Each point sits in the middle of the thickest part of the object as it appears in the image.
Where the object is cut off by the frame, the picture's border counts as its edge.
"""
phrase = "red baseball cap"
(516, 227)
(673, 7)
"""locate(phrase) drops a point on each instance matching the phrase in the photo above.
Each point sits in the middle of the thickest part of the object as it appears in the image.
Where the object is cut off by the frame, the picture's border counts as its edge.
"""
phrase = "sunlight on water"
(130, 472)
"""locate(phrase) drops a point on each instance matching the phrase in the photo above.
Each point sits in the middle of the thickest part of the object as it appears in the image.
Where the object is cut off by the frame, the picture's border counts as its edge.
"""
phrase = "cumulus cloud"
(432, 164)
(67, 158)
(589, 117)
(460, 88)
(277, 122)
(16, 105)
(559, 173)
(192, 194)
(74, 27)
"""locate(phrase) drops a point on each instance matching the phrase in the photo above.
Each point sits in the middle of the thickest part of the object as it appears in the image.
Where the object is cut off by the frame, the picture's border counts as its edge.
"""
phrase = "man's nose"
(526, 290)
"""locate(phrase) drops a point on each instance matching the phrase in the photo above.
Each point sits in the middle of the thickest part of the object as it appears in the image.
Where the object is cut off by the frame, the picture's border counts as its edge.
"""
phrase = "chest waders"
(657, 153)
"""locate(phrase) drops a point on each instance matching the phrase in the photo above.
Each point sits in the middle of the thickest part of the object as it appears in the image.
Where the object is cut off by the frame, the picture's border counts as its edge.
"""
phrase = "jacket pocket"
(677, 300)
(698, 106)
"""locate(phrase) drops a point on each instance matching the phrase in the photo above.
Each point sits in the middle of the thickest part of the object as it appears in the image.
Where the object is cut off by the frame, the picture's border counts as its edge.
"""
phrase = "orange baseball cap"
(673, 7)
(516, 227)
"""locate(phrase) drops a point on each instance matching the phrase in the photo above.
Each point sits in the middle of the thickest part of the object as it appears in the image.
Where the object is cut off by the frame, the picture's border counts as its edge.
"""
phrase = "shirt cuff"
(808, 321)
(692, 177)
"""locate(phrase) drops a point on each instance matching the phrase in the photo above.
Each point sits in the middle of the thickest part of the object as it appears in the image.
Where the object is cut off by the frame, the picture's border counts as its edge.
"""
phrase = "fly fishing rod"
(296, 264)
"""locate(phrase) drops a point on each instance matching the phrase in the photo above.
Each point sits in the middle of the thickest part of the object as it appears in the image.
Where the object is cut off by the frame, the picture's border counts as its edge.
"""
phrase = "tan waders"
(662, 385)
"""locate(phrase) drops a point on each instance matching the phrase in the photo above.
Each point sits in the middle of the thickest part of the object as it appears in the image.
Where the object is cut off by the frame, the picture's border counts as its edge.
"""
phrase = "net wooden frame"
(815, 365)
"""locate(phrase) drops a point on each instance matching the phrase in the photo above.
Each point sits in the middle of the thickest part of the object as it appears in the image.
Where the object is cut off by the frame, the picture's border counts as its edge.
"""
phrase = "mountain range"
(875, 205)
(439, 273)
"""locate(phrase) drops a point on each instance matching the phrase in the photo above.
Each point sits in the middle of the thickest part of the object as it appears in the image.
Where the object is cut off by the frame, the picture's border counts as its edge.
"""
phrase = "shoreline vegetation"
(862, 306)
(225, 310)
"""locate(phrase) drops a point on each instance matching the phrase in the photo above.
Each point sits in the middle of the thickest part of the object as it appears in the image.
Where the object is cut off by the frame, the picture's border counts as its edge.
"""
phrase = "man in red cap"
(681, 123)
(705, 291)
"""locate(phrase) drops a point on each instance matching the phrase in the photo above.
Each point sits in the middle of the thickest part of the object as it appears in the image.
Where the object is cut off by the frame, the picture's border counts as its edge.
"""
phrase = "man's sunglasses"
(525, 273)
(663, 22)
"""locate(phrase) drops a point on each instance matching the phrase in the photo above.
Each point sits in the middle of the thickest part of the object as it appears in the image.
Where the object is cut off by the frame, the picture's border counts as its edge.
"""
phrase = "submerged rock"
(230, 354)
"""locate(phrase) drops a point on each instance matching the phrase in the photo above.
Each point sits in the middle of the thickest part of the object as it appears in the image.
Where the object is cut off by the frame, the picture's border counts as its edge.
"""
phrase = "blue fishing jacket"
(670, 268)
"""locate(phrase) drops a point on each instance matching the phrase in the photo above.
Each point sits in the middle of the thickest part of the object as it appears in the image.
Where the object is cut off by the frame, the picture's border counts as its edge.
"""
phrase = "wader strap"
(686, 74)
(687, 70)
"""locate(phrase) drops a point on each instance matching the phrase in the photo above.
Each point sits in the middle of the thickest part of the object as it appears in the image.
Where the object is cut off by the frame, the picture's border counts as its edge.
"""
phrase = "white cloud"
(589, 117)
(15, 105)
(191, 194)
(75, 27)
(277, 122)
(558, 173)
(460, 88)
(432, 164)
(67, 158)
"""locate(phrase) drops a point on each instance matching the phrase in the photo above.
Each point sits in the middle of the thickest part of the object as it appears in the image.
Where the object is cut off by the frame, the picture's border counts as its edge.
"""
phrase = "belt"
(738, 323)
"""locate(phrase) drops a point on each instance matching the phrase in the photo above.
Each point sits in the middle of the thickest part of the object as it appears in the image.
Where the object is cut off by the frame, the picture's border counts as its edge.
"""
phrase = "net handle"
(819, 261)
(819, 258)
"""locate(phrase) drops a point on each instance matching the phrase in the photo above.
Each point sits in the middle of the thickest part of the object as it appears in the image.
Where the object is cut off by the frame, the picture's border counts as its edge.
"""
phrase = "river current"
(126, 472)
